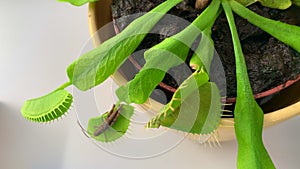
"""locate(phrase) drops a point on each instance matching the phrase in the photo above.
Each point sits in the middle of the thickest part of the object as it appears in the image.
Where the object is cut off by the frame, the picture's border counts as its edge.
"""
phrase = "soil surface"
(269, 61)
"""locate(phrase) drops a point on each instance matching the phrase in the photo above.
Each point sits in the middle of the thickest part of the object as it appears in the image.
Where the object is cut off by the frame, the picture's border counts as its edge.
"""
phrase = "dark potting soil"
(269, 61)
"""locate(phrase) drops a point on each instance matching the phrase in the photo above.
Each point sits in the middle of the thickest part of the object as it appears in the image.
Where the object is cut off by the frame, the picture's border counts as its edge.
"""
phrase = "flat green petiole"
(248, 116)
(288, 34)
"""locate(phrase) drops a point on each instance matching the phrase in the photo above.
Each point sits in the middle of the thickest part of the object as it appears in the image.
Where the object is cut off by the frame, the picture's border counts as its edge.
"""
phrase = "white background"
(38, 39)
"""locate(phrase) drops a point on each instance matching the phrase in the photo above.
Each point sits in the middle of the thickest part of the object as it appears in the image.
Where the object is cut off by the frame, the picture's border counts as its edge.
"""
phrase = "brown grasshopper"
(108, 121)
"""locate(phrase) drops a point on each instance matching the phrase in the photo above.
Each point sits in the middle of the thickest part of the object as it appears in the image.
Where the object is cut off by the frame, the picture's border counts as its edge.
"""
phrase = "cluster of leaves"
(186, 111)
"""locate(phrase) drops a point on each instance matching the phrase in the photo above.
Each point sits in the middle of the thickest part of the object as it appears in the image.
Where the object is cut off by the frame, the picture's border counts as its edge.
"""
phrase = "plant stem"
(65, 85)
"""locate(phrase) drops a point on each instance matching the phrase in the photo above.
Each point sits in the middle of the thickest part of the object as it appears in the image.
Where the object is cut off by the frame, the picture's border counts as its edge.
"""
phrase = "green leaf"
(288, 34)
(248, 116)
(94, 67)
(163, 56)
(117, 130)
(77, 2)
(48, 107)
(278, 4)
(195, 107)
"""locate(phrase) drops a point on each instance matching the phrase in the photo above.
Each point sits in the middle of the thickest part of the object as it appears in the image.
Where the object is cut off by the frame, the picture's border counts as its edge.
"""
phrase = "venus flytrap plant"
(139, 89)
(196, 94)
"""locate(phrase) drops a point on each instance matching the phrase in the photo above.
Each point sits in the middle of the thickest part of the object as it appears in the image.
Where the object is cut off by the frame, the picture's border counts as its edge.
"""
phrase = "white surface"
(38, 39)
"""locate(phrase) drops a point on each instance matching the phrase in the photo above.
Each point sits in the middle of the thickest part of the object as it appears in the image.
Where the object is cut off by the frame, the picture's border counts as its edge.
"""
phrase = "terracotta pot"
(283, 101)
